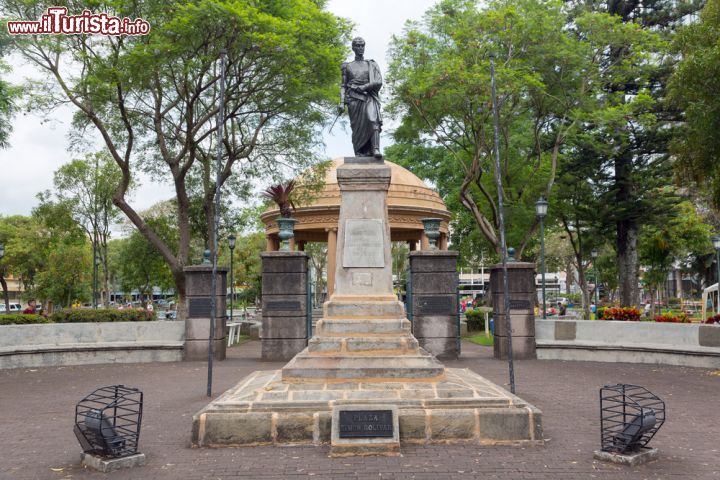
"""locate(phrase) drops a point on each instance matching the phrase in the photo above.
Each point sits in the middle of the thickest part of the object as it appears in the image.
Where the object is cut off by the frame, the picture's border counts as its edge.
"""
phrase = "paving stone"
(566, 391)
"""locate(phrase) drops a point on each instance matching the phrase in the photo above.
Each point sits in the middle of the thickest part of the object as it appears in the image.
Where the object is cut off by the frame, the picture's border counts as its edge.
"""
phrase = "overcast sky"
(38, 149)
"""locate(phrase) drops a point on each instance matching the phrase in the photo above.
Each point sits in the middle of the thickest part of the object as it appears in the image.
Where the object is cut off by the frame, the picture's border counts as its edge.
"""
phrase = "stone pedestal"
(521, 285)
(364, 357)
(363, 335)
(434, 301)
(284, 304)
(198, 288)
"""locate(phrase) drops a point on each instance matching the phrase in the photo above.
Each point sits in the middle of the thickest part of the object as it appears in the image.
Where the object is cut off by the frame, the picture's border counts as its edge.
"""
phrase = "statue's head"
(358, 46)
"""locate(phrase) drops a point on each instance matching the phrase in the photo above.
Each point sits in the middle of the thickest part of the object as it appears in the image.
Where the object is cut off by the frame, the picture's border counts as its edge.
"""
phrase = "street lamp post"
(594, 255)
(541, 210)
(231, 244)
(716, 244)
(6, 300)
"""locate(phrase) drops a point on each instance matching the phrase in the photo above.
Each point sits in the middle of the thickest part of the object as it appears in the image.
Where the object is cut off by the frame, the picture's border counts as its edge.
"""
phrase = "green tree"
(248, 267)
(628, 144)
(154, 99)
(140, 267)
(9, 96)
(86, 186)
(664, 246)
(694, 88)
(551, 81)
(67, 276)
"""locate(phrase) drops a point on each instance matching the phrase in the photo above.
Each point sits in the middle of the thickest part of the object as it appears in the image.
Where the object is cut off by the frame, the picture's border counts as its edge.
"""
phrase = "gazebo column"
(443, 241)
(301, 245)
(331, 253)
(291, 244)
(270, 244)
(424, 242)
(412, 245)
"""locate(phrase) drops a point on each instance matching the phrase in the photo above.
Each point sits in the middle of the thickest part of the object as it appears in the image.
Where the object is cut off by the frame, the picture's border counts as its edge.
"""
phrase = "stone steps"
(419, 366)
(365, 327)
(369, 345)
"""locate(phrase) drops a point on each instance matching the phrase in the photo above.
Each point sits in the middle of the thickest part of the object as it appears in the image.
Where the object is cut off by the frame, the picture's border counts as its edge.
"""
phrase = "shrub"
(101, 315)
(713, 320)
(626, 314)
(475, 320)
(670, 318)
(21, 319)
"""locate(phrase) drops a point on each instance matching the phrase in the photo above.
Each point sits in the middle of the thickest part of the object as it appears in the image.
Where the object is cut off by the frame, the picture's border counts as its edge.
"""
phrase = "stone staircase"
(374, 344)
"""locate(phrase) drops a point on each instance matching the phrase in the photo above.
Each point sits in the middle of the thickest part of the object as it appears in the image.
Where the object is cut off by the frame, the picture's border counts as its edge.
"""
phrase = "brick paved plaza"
(37, 413)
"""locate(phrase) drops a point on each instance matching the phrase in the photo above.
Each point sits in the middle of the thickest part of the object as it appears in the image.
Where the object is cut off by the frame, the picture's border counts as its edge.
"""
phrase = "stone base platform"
(462, 408)
(632, 459)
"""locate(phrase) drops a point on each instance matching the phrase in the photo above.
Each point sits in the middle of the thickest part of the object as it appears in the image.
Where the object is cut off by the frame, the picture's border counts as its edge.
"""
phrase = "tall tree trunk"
(181, 306)
(584, 289)
(6, 294)
(628, 267)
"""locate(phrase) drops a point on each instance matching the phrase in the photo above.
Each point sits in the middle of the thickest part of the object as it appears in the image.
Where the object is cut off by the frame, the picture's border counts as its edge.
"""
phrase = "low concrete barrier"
(51, 344)
(691, 345)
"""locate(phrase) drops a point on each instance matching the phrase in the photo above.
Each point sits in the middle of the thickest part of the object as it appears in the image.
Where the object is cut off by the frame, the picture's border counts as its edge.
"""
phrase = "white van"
(14, 307)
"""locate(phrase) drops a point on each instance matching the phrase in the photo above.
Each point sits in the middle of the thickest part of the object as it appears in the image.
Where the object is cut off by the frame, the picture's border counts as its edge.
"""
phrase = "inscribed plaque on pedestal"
(363, 245)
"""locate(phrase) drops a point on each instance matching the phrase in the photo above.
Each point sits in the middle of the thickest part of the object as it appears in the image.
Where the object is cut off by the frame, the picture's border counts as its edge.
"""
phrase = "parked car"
(14, 308)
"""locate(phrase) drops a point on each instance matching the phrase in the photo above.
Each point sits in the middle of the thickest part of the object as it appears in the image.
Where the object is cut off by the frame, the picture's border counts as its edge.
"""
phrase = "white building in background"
(477, 282)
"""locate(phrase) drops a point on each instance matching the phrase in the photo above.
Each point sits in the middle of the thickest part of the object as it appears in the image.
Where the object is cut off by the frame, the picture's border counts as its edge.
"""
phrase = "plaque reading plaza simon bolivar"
(363, 243)
(366, 423)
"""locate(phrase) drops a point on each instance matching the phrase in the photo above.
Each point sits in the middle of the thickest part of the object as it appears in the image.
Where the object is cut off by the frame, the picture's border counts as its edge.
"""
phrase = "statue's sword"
(335, 121)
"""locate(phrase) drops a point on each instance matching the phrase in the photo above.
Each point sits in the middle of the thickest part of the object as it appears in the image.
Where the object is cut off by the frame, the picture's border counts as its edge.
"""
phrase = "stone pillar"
(521, 283)
(443, 241)
(364, 260)
(291, 244)
(284, 304)
(270, 243)
(434, 295)
(332, 256)
(424, 242)
(198, 283)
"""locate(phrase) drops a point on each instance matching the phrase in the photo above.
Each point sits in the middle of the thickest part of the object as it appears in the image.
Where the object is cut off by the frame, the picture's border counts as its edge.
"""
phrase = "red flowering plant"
(670, 318)
(625, 314)
(713, 320)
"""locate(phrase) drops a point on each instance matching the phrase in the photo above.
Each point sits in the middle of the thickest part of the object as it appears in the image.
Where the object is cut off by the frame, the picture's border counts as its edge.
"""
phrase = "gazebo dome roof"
(409, 201)
(406, 190)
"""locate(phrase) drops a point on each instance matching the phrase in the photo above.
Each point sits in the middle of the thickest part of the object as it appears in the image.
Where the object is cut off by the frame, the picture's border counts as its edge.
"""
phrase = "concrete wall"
(51, 344)
(692, 345)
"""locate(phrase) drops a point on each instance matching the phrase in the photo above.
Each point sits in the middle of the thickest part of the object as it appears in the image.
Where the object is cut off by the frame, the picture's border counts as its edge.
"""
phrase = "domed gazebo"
(409, 201)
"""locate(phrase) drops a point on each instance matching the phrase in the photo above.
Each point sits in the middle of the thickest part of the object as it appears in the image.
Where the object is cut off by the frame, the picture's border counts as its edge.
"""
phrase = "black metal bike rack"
(630, 416)
(107, 422)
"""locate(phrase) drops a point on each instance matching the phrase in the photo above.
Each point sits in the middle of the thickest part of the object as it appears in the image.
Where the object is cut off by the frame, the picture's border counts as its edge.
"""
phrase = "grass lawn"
(481, 339)
(243, 339)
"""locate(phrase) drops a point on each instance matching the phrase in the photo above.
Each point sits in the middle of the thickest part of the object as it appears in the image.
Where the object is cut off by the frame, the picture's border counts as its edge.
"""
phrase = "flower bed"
(713, 320)
(669, 318)
(624, 314)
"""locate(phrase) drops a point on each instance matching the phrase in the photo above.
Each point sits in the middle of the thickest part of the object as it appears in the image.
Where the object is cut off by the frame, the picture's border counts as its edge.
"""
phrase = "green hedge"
(21, 319)
(101, 315)
(475, 320)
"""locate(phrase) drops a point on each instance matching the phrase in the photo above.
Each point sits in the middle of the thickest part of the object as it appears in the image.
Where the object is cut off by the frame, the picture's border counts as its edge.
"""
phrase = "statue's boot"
(376, 144)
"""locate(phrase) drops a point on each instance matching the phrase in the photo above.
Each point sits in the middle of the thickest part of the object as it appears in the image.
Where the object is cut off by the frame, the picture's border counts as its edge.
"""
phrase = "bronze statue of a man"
(361, 82)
